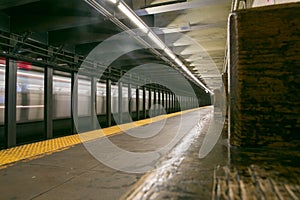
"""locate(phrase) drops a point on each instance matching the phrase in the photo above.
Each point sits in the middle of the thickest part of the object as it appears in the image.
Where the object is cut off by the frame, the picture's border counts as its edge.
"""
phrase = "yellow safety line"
(33, 150)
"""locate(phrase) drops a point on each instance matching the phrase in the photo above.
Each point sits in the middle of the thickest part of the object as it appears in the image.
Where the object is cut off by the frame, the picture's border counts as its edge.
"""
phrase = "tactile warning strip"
(33, 150)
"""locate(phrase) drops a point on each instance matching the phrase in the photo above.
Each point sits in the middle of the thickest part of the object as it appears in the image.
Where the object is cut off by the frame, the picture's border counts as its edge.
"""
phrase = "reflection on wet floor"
(224, 173)
(186, 176)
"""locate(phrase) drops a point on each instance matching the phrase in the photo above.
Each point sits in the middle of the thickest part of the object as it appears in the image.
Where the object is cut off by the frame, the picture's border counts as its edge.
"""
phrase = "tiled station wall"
(264, 76)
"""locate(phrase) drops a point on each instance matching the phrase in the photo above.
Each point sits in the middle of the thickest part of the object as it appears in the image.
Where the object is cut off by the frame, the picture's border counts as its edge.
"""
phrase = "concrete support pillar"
(108, 102)
(137, 102)
(159, 102)
(264, 74)
(154, 102)
(150, 99)
(94, 119)
(74, 101)
(144, 103)
(129, 100)
(120, 103)
(48, 103)
(10, 103)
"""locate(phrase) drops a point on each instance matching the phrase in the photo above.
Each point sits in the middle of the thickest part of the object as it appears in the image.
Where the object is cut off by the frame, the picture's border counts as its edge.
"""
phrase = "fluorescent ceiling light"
(178, 62)
(132, 17)
(156, 40)
(140, 24)
(170, 53)
(194, 59)
(191, 74)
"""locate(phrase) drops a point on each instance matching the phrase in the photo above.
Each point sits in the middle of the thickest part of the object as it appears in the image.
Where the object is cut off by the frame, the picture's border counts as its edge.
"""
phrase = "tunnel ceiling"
(195, 30)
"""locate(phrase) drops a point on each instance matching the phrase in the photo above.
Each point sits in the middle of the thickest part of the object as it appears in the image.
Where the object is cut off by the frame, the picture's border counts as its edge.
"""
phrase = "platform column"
(162, 100)
(93, 103)
(264, 74)
(168, 102)
(172, 102)
(120, 103)
(10, 103)
(159, 102)
(149, 101)
(48, 103)
(74, 101)
(154, 102)
(137, 102)
(129, 100)
(108, 100)
(144, 102)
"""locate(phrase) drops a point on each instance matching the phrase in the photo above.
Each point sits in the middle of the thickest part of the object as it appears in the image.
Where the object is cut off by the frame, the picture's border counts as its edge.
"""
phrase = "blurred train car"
(30, 102)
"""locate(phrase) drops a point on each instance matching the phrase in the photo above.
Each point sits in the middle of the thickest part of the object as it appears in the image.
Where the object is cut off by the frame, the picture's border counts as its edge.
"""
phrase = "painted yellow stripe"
(33, 150)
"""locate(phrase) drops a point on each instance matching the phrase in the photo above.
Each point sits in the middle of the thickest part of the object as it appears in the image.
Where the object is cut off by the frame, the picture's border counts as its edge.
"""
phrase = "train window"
(61, 95)
(101, 98)
(2, 89)
(84, 96)
(30, 92)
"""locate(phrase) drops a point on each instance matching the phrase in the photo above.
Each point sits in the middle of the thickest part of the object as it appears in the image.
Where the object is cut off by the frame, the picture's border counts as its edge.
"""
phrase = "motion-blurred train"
(30, 101)
(30, 94)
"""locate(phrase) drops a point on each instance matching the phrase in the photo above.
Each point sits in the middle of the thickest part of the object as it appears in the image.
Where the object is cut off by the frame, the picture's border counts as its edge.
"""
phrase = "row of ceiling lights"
(127, 11)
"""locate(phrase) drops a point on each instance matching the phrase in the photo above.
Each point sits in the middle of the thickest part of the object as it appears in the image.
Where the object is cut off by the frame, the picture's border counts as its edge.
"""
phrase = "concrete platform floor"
(75, 174)
(173, 170)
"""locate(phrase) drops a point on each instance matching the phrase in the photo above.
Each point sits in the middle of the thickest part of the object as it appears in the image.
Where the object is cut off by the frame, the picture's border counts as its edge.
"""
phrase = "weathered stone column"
(264, 73)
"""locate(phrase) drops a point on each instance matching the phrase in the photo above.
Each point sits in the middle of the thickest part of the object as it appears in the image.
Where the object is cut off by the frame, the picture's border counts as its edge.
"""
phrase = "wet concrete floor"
(227, 172)
(79, 172)
(162, 161)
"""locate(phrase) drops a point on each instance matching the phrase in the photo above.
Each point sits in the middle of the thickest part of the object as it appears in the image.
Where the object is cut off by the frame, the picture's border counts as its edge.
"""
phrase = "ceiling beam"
(190, 27)
(178, 7)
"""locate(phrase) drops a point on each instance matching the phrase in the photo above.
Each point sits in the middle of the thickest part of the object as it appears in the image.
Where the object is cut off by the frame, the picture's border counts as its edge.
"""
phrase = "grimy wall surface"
(264, 76)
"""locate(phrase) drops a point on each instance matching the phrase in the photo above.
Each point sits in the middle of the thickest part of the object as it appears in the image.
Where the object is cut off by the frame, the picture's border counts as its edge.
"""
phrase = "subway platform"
(160, 158)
